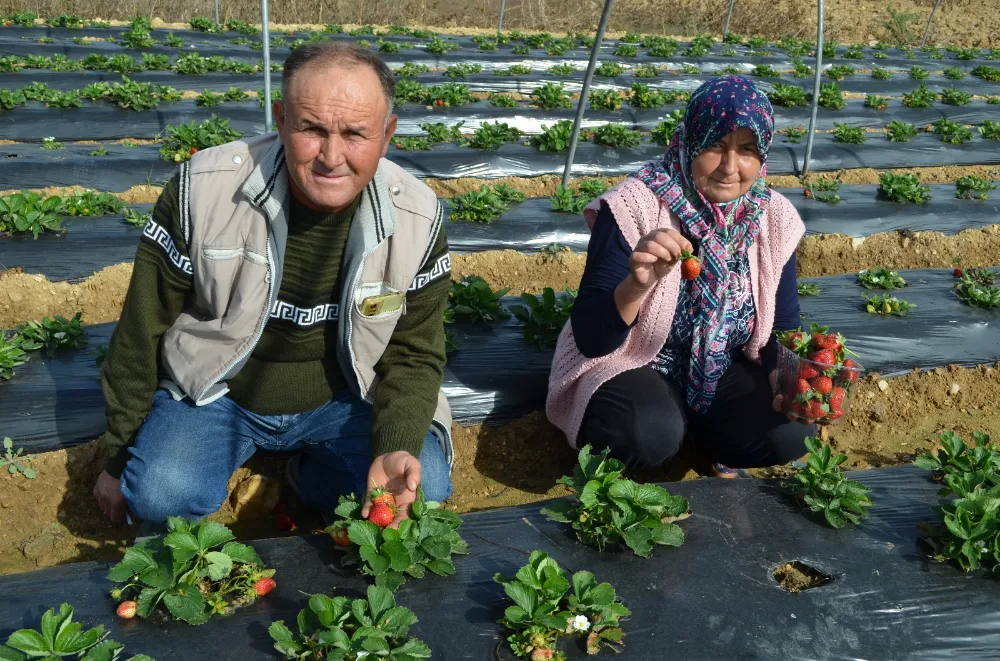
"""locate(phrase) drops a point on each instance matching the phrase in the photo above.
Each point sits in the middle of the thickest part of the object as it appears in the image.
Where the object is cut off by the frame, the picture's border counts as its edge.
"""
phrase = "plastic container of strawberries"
(814, 380)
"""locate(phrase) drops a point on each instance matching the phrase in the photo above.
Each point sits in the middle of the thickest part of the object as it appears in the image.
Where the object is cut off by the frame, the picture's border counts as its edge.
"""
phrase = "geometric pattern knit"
(574, 378)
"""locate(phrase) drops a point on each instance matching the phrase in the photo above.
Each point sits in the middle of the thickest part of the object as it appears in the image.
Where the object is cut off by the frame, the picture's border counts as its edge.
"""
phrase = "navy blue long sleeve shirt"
(597, 325)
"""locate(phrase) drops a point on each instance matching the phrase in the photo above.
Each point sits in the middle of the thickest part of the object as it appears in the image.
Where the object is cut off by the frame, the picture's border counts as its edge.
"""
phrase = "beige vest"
(234, 206)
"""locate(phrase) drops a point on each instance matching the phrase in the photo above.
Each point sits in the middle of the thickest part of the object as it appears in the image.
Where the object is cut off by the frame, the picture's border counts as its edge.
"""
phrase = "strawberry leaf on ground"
(544, 317)
(880, 278)
(610, 509)
(823, 487)
(59, 637)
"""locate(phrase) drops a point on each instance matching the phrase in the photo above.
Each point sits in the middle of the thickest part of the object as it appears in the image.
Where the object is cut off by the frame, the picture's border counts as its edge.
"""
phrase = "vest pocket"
(378, 302)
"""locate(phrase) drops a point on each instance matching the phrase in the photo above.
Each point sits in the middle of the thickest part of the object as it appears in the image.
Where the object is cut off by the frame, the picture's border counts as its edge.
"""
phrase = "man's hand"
(779, 401)
(108, 492)
(398, 472)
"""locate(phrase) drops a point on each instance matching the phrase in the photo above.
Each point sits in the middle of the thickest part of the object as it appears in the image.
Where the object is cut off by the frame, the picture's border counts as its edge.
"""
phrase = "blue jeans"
(184, 455)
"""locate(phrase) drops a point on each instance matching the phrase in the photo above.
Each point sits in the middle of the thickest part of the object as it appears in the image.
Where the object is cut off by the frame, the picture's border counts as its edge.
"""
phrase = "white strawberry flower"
(580, 623)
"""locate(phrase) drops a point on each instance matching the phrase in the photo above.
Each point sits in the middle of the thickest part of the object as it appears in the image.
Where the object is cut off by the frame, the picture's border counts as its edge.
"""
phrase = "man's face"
(333, 127)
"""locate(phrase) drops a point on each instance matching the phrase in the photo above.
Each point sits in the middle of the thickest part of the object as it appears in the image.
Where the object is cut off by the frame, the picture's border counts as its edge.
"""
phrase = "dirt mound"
(24, 296)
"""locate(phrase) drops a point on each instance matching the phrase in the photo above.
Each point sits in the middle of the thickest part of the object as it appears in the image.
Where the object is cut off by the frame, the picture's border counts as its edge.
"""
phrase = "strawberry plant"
(954, 73)
(903, 188)
(951, 132)
(36, 91)
(462, 70)
(972, 187)
(410, 143)
(186, 572)
(542, 611)
(562, 70)
(801, 69)
(887, 304)
(384, 46)
(695, 50)
(152, 62)
(609, 69)
(183, 140)
(203, 24)
(642, 96)
(919, 98)
(876, 102)
(855, 52)
(663, 132)
(839, 71)
(823, 190)
(137, 36)
(235, 94)
(448, 95)
(788, 96)
(730, 70)
(411, 69)
(29, 212)
(553, 138)
(795, 134)
(691, 69)
(544, 317)
(136, 219)
(521, 49)
(625, 50)
(830, 97)
(124, 64)
(209, 99)
(472, 300)
(539, 40)
(11, 354)
(918, 73)
(616, 135)
(954, 97)
(880, 73)
(632, 38)
(993, 100)
(61, 637)
(848, 134)
(15, 462)
(424, 542)
(441, 132)
(52, 143)
(823, 487)
(492, 136)
(897, 131)
(11, 99)
(51, 334)
(439, 46)
(610, 509)
(972, 291)
(605, 100)
(173, 41)
(987, 73)
(409, 91)
(815, 374)
(484, 205)
(91, 203)
(341, 628)
(566, 200)
(808, 289)
(645, 71)
(550, 96)
(880, 278)
(990, 130)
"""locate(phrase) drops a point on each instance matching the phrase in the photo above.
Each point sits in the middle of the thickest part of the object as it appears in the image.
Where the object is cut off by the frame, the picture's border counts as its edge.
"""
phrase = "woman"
(649, 359)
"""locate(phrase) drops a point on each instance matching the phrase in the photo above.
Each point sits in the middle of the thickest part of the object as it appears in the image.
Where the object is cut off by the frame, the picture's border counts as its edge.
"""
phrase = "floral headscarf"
(715, 110)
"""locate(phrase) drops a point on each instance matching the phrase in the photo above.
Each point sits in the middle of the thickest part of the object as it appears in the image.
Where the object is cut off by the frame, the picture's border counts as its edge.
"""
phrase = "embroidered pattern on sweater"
(305, 316)
(161, 237)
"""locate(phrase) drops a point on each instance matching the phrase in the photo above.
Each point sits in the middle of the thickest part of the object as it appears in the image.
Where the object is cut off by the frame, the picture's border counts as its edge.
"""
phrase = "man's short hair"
(332, 53)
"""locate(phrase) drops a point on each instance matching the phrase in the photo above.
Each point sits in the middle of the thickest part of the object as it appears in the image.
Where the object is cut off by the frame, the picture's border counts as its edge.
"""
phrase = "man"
(287, 294)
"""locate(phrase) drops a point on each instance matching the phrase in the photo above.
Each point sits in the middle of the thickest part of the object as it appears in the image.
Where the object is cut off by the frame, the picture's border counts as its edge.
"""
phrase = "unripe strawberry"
(264, 585)
(127, 609)
(541, 654)
(340, 537)
(177, 158)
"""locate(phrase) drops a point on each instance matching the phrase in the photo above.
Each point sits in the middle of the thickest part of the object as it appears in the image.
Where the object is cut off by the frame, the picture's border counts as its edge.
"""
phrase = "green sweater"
(294, 366)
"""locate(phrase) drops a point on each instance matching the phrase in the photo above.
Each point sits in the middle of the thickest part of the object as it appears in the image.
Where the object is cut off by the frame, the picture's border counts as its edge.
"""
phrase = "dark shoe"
(723, 471)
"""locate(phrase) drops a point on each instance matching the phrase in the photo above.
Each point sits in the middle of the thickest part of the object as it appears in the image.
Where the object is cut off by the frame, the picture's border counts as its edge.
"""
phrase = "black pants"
(644, 419)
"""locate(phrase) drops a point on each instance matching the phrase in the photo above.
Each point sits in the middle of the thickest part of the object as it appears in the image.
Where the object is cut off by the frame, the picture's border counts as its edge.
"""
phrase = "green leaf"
(147, 601)
(10, 654)
(583, 581)
(135, 562)
(560, 511)
(211, 534)
(30, 642)
(182, 541)
(72, 640)
(185, 603)
(515, 614)
(650, 495)
(364, 533)
(378, 563)
(390, 580)
(52, 622)
(522, 595)
(397, 618)
(835, 517)
(441, 566)
(281, 633)
(379, 601)
(242, 553)
(398, 555)
(668, 534)
(412, 648)
(106, 650)
(436, 548)
(219, 565)
(603, 595)
(638, 539)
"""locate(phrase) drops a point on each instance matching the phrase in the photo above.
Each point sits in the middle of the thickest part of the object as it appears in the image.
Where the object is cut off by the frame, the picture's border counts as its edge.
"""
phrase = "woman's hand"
(655, 255)
(779, 402)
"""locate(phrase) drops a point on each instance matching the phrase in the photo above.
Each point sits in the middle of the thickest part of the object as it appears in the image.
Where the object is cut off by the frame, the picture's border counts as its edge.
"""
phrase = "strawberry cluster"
(815, 374)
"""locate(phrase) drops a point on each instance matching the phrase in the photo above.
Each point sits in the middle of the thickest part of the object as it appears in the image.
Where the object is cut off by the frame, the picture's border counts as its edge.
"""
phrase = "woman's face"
(727, 169)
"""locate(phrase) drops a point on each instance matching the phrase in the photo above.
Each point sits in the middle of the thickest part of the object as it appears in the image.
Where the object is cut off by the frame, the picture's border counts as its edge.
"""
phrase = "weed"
(886, 305)
(462, 70)
(136, 219)
(209, 99)
(830, 97)
(951, 132)
(410, 143)
(954, 73)
(788, 96)
(609, 69)
(542, 613)
(484, 205)
(553, 252)
(563, 70)
(765, 71)
(553, 138)
(183, 140)
(808, 289)
(919, 98)
(343, 628)
(14, 463)
(550, 96)
(954, 97)
(880, 278)
(492, 136)
(441, 132)
(605, 100)
(472, 300)
(848, 134)
(502, 100)
(839, 71)
(876, 102)
(625, 50)
(663, 132)
(795, 134)
(899, 27)
(897, 131)
(824, 488)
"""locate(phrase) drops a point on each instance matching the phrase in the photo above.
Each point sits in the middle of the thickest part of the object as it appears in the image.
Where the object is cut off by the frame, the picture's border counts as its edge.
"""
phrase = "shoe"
(723, 471)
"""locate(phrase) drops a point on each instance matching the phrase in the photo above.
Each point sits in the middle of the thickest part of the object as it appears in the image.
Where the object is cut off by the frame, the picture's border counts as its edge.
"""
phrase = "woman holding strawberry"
(656, 354)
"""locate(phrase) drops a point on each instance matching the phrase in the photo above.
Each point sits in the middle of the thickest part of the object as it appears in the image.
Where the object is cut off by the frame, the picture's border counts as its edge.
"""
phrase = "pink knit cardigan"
(574, 378)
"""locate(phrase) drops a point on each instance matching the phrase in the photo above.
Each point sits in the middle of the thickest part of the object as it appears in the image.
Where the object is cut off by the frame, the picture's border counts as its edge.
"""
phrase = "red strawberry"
(826, 341)
(957, 273)
(440, 102)
(807, 371)
(807, 192)
(284, 522)
(381, 495)
(837, 398)
(815, 410)
(836, 414)
(794, 339)
(127, 609)
(848, 374)
(690, 265)
(797, 409)
(822, 384)
(340, 537)
(803, 387)
(381, 515)
(824, 358)
(264, 585)
(194, 150)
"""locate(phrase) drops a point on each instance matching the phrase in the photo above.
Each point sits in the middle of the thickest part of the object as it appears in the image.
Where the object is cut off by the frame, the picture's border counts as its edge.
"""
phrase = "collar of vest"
(267, 189)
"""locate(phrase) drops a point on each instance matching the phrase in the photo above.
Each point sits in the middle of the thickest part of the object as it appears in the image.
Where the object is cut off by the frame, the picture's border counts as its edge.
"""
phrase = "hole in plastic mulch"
(797, 576)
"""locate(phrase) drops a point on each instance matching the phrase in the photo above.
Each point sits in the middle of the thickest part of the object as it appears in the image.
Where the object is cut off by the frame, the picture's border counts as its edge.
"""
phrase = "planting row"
(498, 364)
(499, 218)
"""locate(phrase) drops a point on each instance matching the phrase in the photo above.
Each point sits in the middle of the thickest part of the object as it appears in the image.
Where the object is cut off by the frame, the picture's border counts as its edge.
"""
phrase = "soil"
(797, 576)
(24, 296)
(142, 194)
(53, 519)
(521, 272)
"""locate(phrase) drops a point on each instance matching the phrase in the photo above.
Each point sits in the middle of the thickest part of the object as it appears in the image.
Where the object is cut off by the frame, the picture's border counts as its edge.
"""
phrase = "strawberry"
(803, 387)
(957, 273)
(381, 515)
(340, 537)
(815, 410)
(849, 374)
(381, 495)
(440, 102)
(822, 384)
(284, 522)
(825, 341)
(194, 150)
(264, 585)
(824, 358)
(807, 371)
(837, 398)
(690, 265)
(541, 654)
(836, 414)
(127, 609)
(807, 192)
(797, 409)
